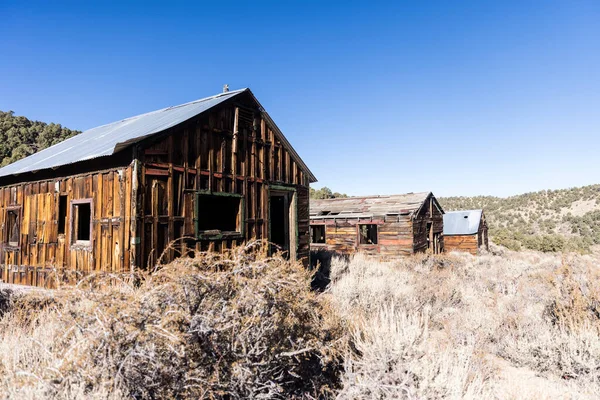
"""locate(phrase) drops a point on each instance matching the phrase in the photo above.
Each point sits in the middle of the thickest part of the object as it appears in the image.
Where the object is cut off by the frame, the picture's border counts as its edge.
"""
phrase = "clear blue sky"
(456, 97)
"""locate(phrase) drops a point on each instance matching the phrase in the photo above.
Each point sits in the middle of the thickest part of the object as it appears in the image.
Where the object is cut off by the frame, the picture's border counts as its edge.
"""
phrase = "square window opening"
(219, 213)
(318, 234)
(13, 226)
(81, 214)
(367, 234)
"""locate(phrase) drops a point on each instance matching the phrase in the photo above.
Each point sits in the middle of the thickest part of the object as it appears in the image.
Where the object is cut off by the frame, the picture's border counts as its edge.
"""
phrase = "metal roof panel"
(114, 137)
(464, 222)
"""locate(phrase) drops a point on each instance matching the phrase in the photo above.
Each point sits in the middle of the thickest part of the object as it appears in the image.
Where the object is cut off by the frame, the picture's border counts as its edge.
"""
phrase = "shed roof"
(464, 222)
(109, 139)
(367, 206)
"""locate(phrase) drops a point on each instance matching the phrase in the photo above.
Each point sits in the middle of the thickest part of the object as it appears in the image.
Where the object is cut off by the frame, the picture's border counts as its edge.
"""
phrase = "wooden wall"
(140, 209)
(303, 252)
(394, 236)
(398, 235)
(230, 150)
(431, 214)
(41, 247)
(469, 243)
(463, 243)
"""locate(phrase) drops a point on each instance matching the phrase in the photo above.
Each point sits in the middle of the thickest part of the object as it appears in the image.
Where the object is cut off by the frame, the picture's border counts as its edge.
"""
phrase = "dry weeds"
(505, 325)
(212, 326)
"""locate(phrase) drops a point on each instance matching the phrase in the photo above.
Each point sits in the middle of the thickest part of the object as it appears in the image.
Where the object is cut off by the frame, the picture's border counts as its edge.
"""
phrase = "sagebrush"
(232, 325)
(506, 325)
(512, 325)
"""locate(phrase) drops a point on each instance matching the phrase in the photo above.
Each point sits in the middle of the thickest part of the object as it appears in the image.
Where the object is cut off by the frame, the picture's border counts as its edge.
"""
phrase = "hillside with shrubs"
(549, 220)
(504, 325)
(21, 137)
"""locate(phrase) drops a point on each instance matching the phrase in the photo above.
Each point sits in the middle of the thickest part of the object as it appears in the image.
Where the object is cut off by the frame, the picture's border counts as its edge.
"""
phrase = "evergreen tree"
(21, 137)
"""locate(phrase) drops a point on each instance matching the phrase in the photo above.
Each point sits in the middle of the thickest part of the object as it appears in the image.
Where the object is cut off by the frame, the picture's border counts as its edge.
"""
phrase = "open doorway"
(282, 233)
(429, 233)
(437, 243)
(434, 242)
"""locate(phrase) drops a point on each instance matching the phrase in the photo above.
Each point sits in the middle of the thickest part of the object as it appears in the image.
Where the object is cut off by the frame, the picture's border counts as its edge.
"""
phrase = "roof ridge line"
(168, 108)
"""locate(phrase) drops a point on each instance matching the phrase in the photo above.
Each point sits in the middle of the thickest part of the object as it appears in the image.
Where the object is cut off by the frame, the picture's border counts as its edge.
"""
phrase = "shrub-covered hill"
(549, 220)
(21, 137)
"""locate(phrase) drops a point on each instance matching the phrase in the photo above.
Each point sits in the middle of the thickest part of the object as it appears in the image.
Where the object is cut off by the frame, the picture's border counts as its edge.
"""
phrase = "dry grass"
(505, 325)
(509, 325)
(213, 326)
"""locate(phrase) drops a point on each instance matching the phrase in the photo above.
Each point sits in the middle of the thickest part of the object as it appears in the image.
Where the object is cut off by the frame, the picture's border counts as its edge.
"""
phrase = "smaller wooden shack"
(389, 226)
(465, 231)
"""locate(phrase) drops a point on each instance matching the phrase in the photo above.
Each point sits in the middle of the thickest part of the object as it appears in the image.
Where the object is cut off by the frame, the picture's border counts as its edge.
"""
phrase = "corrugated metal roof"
(112, 138)
(465, 222)
(368, 206)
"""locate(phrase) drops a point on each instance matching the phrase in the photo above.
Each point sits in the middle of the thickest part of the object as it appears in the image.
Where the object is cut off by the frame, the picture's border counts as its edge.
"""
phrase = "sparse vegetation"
(507, 325)
(502, 325)
(549, 220)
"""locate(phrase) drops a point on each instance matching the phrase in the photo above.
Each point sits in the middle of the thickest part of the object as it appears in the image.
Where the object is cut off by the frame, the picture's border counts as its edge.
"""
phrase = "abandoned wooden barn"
(465, 231)
(391, 226)
(215, 172)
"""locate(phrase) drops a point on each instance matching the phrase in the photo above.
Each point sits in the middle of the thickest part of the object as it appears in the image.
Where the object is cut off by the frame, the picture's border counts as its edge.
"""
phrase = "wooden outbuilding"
(212, 173)
(465, 231)
(388, 226)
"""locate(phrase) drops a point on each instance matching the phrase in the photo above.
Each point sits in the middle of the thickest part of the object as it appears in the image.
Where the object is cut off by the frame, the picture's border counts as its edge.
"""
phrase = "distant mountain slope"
(20, 137)
(549, 220)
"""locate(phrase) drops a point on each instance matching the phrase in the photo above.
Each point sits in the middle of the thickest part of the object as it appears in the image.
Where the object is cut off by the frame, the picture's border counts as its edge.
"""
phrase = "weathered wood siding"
(303, 223)
(428, 214)
(469, 243)
(143, 200)
(41, 247)
(463, 243)
(394, 236)
(398, 234)
(230, 149)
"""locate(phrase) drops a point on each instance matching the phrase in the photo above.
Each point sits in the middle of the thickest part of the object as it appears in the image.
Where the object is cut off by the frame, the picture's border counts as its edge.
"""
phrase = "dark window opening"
(82, 222)
(318, 234)
(219, 213)
(62, 214)
(367, 234)
(13, 227)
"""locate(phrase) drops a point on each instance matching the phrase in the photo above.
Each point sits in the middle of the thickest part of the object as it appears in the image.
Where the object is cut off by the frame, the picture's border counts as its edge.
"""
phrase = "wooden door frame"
(290, 194)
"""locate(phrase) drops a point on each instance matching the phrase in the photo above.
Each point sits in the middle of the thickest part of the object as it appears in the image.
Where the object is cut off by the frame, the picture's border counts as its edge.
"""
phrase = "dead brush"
(6, 300)
(576, 300)
(232, 325)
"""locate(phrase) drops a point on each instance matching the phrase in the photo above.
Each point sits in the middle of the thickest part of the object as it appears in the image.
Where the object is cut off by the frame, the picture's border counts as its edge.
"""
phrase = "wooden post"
(234, 149)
